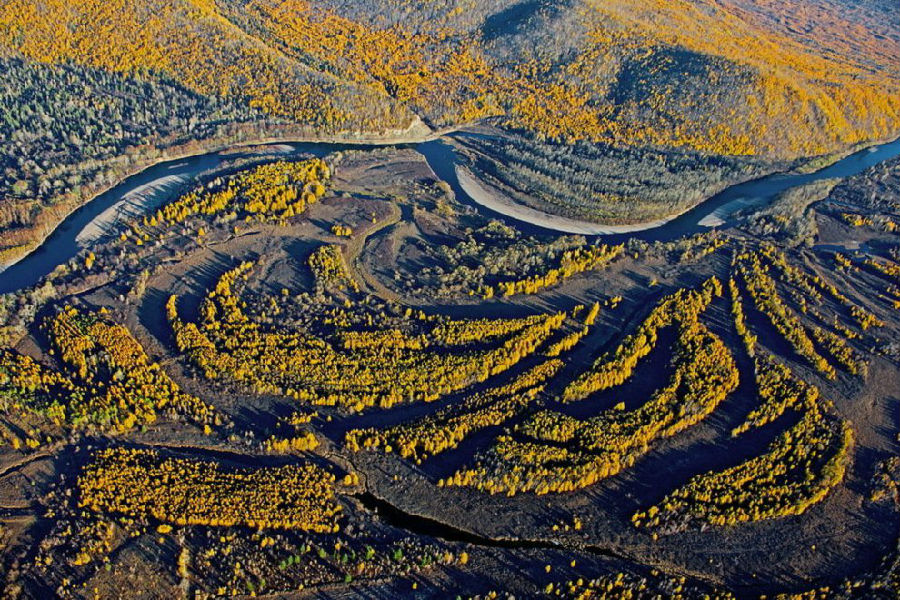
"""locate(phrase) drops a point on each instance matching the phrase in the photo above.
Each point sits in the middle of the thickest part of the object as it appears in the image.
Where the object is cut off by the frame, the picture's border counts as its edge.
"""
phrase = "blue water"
(440, 156)
(61, 246)
(764, 190)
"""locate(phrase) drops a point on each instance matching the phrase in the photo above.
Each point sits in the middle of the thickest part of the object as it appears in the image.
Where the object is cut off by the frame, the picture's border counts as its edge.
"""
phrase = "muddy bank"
(497, 202)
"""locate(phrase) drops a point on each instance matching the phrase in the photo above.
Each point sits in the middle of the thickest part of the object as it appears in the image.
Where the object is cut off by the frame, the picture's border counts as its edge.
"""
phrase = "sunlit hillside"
(190, 41)
(725, 78)
(733, 89)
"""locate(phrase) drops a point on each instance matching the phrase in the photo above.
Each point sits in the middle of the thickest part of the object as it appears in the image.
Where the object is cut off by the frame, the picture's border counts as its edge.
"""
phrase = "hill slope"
(740, 77)
(777, 81)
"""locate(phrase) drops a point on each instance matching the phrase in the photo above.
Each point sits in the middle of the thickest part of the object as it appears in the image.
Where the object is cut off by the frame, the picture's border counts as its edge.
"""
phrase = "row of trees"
(144, 484)
(107, 381)
(764, 270)
(807, 460)
(572, 262)
(761, 289)
(301, 364)
(447, 428)
(797, 470)
(614, 368)
(627, 586)
(552, 452)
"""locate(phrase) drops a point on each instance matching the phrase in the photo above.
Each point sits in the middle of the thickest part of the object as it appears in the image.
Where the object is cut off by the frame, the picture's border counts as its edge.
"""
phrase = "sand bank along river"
(156, 185)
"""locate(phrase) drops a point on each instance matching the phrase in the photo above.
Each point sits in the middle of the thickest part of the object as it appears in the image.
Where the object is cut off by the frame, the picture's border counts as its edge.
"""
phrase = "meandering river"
(157, 184)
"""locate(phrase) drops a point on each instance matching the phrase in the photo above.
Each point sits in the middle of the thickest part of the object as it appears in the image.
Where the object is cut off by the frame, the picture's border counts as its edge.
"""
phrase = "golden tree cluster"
(107, 380)
(572, 262)
(797, 471)
(330, 270)
(272, 191)
(227, 343)
(552, 452)
(447, 428)
(613, 369)
(761, 271)
(143, 484)
(761, 289)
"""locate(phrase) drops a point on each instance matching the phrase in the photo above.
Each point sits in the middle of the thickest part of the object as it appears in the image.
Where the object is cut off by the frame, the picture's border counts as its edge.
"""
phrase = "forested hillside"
(731, 78)
(774, 80)
(68, 130)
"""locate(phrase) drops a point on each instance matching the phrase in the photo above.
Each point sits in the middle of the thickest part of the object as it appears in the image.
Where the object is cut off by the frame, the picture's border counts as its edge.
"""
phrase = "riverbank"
(823, 162)
(498, 202)
(715, 210)
(135, 203)
(417, 132)
(146, 198)
(62, 243)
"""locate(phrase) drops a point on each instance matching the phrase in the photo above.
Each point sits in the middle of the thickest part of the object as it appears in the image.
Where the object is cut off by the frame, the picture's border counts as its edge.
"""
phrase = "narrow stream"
(401, 519)
(397, 517)
(63, 244)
